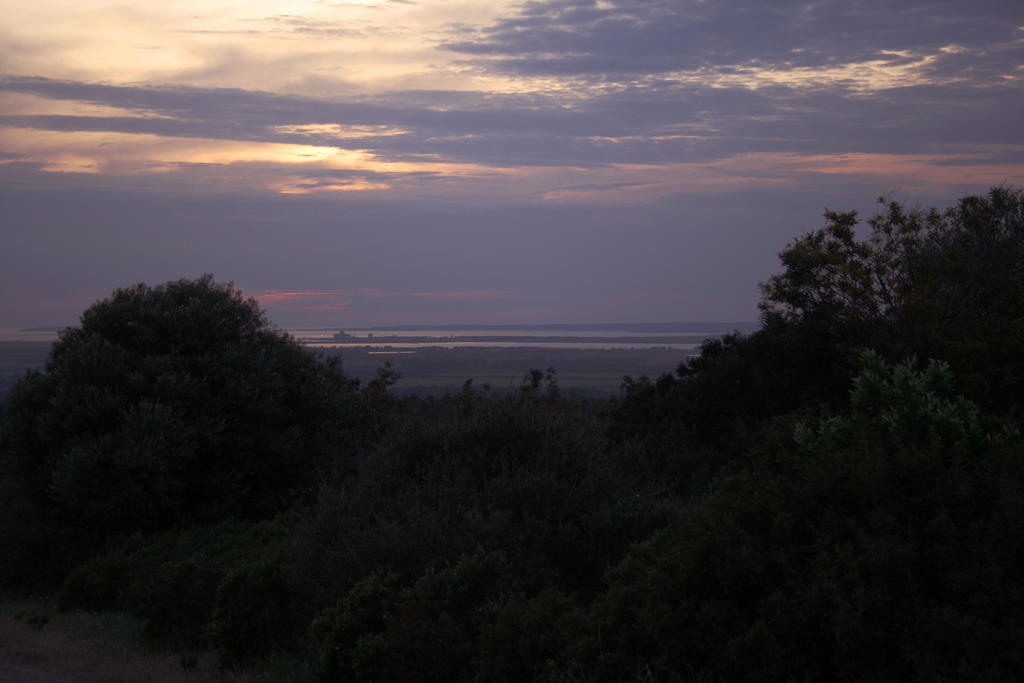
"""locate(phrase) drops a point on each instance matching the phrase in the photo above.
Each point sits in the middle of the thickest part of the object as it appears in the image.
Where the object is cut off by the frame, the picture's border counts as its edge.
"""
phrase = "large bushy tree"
(167, 404)
(945, 285)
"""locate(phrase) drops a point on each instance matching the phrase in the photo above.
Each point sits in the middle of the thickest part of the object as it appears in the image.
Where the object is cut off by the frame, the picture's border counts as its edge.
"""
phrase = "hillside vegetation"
(837, 496)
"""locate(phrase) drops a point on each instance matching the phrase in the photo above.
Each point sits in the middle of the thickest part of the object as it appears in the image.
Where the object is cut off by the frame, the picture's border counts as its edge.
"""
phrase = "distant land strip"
(518, 339)
(698, 327)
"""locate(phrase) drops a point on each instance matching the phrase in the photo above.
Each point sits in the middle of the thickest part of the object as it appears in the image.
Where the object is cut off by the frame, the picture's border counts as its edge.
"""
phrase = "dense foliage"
(838, 496)
(166, 405)
(944, 285)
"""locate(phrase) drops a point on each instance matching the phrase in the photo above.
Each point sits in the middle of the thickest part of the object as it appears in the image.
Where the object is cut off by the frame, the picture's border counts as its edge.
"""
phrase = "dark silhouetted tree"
(946, 285)
(172, 403)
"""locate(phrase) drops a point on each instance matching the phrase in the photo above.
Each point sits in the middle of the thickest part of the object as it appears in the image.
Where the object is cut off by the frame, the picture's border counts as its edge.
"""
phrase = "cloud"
(616, 100)
(656, 125)
(284, 25)
(305, 301)
(616, 38)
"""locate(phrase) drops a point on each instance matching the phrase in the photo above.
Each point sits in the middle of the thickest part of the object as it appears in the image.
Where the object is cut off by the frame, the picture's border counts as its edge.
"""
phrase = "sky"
(379, 162)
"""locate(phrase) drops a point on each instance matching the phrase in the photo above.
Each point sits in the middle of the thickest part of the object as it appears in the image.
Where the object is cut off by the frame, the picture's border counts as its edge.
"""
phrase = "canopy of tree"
(924, 283)
(933, 284)
(168, 404)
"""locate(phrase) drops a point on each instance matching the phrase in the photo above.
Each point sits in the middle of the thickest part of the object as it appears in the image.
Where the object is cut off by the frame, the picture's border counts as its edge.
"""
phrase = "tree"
(831, 278)
(946, 285)
(168, 404)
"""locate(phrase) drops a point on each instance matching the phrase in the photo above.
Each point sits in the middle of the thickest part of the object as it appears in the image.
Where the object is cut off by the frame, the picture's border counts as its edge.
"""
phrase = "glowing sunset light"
(356, 185)
(129, 153)
(334, 130)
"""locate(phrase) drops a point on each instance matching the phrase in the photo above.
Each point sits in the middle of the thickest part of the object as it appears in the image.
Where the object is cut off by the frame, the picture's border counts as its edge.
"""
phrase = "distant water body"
(679, 335)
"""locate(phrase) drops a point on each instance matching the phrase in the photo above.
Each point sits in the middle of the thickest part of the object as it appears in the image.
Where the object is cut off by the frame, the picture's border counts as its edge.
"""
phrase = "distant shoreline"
(693, 327)
(514, 339)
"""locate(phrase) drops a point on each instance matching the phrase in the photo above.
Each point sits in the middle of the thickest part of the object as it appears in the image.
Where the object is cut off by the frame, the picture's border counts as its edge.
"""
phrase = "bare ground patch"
(40, 645)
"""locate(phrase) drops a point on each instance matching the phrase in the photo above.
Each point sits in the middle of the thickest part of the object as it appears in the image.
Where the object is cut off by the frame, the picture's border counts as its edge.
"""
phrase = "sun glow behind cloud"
(250, 44)
(124, 153)
(278, 167)
(337, 131)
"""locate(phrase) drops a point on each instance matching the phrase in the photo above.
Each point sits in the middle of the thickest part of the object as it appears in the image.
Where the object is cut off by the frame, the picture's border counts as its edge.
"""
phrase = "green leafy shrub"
(349, 635)
(426, 631)
(877, 544)
(529, 639)
(190, 587)
(251, 614)
(528, 475)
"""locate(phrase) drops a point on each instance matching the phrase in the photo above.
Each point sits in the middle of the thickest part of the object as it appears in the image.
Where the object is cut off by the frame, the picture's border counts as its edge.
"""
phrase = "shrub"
(877, 544)
(251, 615)
(427, 631)
(220, 585)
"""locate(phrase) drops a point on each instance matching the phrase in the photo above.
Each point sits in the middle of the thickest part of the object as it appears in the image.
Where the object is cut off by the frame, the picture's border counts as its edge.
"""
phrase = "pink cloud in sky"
(280, 303)
(303, 300)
